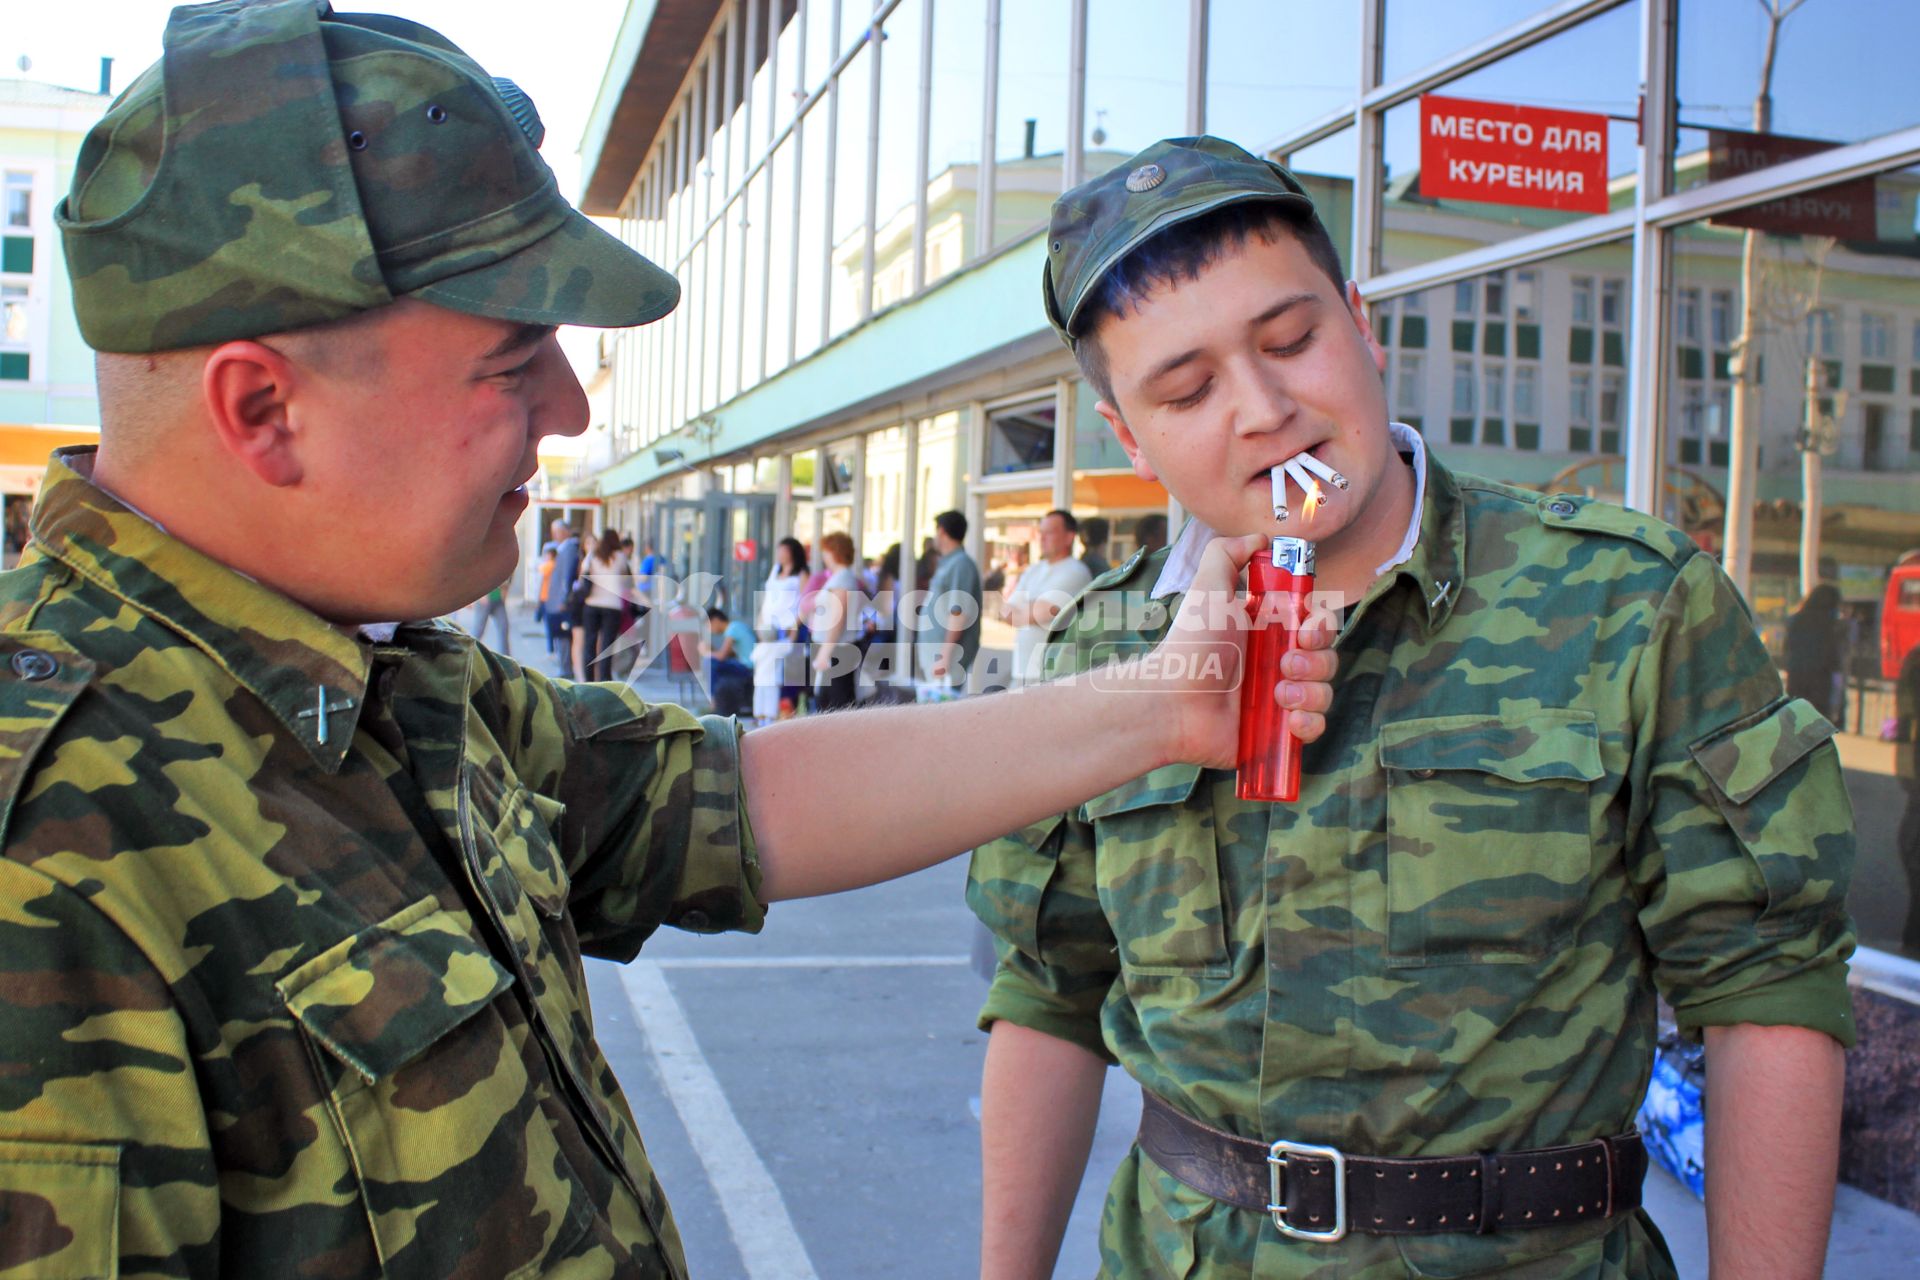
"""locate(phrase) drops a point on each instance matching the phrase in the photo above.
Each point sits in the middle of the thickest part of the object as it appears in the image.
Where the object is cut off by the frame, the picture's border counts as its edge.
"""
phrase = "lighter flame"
(1315, 497)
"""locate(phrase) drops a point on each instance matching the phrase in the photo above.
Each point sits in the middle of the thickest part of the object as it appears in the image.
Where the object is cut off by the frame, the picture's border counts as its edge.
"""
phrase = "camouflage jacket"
(291, 928)
(1559, 776)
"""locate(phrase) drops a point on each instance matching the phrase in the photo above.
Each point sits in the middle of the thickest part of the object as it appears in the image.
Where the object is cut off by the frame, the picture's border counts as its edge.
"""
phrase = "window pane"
(780, 228)
(850, 193)
(1021, 438)
(1030, 127)
(953, 133)
(13, 314)
(899, 143)
(1595, 67)
(1136, 78)
(1418, 32)
(19, 200)
(1094, 445)
(1539, 376)
(1246, 102)
(813, 228)
(1326, 170)
(1722, 53)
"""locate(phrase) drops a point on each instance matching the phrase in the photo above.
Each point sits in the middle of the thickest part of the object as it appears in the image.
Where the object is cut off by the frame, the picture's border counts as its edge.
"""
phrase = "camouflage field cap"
(283, 165)
(1104, 219)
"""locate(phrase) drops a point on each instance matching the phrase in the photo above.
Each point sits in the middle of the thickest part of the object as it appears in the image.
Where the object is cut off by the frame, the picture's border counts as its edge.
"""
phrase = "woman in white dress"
(778, 624)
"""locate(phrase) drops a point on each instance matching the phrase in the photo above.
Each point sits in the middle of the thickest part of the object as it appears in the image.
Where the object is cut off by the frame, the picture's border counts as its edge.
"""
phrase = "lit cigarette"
(1279, 476)
(1321, 469)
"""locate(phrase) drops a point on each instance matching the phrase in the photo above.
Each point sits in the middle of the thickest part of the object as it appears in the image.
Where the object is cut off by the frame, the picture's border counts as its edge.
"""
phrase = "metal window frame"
(923, 149)
(986, 180)
(1073, 154)
(875, 40)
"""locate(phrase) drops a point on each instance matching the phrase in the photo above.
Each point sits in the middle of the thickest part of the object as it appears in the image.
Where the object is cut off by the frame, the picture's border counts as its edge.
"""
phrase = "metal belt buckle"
(1276, 1168)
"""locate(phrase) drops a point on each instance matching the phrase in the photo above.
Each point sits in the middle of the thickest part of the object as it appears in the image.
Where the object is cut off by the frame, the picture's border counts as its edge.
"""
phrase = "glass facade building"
(852, 196)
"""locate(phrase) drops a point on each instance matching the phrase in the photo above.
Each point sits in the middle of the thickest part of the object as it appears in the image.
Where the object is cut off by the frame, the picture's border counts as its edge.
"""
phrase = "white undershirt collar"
(1176, 575)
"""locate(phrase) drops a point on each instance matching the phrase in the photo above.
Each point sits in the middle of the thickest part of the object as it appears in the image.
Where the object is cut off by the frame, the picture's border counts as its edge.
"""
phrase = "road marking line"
(808, 962)
(762, 1229)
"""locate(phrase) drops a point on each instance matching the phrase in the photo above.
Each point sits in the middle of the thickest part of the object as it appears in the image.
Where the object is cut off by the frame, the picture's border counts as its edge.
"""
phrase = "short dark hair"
(1095, 530)
(953, 524)
(1182, 252)
(1066, 518)
(717, 614)
(1151, 525)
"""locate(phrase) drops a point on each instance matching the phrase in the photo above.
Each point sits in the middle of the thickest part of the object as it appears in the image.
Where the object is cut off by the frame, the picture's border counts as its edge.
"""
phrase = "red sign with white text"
(746, 551)
(1844, 210)
(1500, 153)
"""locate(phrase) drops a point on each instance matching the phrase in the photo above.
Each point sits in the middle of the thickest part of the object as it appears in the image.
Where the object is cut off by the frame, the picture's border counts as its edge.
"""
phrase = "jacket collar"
(307, 672)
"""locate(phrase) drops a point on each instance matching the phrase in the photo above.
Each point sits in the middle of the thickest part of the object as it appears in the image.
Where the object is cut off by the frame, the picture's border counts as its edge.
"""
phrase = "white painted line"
(808, 962)
(757, 1217)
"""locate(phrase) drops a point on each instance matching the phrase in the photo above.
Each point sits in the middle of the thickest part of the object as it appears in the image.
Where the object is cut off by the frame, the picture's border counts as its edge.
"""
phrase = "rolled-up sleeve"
(1743, 842)
(1036, 891)
(654, 829)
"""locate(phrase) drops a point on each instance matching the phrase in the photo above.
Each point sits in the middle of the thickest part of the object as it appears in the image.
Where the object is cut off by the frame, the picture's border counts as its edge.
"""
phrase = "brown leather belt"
(1317, 1193)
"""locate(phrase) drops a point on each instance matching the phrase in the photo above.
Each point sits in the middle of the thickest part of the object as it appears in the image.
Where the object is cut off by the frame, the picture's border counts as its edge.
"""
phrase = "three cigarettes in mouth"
(1303, 468)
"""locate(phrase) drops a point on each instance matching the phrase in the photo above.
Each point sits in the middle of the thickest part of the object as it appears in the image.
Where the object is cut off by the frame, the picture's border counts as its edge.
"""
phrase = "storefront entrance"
(710, 535)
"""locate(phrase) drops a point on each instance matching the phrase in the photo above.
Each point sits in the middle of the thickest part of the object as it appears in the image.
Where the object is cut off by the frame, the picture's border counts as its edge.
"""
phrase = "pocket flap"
(1169, 784)
(527, 835)
(1540, 745)
(379, 999)
(1748, 754)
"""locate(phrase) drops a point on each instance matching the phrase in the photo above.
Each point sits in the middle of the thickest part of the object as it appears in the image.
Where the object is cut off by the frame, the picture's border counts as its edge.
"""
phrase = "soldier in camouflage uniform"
(293, 902)
(1560, 777)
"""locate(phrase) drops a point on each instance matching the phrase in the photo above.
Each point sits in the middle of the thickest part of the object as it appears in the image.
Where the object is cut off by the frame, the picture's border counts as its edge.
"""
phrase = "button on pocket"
(1159, 872)
(1489, 834)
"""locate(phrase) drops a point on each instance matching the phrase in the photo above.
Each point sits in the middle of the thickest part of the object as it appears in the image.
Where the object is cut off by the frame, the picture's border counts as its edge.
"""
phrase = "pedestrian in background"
(541, 613)
(1043, 591)
(730, 645)
(577, 607)
(776, 690)
(605, 600)
(949, 640)
(492, 607)
(561, 604)
(1906, 767)
(1150, 533)
(1094, 532)
(1815, 644)
(836, 660)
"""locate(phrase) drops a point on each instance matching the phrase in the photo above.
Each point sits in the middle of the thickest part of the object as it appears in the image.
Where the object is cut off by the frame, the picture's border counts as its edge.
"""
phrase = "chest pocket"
(431, 1097)
(1159, 872)
(1489, 834)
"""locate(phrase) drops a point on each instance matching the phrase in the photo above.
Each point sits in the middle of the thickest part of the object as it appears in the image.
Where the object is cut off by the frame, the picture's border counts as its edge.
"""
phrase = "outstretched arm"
(842, 801)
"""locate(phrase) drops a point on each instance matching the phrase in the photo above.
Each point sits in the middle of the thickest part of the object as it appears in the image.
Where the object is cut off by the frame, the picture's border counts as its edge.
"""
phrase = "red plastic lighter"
(1269, 754)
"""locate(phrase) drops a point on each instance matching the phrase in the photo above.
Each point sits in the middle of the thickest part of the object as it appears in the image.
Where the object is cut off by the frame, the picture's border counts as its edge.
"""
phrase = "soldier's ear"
(248, 388)
(1124, 434)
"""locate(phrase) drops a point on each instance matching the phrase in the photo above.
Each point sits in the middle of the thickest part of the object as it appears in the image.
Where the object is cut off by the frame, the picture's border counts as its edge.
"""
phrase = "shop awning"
(25, 447)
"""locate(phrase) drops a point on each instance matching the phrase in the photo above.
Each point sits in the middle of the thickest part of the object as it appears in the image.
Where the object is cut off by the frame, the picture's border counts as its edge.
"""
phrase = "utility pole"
(1743, 446)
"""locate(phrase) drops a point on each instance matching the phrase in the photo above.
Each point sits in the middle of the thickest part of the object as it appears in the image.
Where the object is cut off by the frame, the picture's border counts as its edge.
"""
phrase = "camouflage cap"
(283, 165)
(1104, 219)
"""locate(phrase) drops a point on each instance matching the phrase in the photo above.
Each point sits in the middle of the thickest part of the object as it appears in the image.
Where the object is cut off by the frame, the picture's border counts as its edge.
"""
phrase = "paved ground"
(830, 1071)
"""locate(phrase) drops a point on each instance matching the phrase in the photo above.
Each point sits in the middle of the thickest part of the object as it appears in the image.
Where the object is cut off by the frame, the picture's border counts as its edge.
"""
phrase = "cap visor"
(577, 274)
